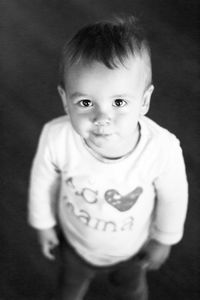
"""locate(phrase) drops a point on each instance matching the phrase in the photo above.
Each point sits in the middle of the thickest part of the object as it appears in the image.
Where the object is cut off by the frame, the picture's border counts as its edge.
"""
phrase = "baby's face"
(105, 105)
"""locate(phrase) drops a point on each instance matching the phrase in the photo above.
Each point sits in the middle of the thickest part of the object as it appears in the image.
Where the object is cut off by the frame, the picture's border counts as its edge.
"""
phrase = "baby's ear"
(146, 100)
(62, 94)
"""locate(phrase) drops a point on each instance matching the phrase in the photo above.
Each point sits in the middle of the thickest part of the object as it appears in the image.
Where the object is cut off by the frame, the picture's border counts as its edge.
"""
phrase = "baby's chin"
(99, 142)
(105, 148)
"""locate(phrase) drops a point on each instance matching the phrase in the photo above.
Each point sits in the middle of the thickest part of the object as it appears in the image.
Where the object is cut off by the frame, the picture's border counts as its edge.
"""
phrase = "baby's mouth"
(101, 136)
(101, 132)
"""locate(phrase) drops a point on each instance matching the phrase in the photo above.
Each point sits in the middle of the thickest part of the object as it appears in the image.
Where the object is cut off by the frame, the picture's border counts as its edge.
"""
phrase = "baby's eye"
(85, 103)
(119, 102)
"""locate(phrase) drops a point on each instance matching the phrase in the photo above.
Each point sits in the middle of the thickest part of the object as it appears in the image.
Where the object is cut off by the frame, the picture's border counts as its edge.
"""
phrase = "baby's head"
(106, 83)
(109, 42)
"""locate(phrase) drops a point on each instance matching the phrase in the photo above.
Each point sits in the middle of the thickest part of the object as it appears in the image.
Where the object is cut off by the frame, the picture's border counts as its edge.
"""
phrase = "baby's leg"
(128, 281)
(76, 276)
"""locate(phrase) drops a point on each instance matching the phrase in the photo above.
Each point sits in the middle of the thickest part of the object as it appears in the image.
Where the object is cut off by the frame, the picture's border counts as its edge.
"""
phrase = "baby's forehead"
(142, 61)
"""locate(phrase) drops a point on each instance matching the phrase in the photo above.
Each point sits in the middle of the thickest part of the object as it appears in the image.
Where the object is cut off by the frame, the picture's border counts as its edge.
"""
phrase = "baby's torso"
(106, 209)
(106, 199)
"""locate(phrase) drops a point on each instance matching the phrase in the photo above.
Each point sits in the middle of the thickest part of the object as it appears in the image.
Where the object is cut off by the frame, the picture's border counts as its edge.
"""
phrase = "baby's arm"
(48, 240)
(43, 194)
(170, 210)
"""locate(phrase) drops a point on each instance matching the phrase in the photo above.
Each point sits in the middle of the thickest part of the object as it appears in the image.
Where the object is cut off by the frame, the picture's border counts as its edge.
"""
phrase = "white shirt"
(108, 209)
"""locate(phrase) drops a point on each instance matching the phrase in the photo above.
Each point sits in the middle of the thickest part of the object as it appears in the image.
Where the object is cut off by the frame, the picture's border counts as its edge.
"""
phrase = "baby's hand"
(154, 255)
(48, 240)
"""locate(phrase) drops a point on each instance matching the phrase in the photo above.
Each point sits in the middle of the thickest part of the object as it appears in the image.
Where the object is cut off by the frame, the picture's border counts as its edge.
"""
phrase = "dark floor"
(31, 35)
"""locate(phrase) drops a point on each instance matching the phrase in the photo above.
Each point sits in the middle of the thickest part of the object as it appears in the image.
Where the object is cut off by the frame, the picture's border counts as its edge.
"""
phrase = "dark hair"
(109, 42)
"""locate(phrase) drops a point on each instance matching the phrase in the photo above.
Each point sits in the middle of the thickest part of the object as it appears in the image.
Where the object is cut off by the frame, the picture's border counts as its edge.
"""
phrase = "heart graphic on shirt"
(122, 203)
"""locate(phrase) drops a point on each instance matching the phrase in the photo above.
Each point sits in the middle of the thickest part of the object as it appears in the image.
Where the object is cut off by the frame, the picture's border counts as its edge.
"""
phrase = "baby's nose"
(102, 119)
(102, 122)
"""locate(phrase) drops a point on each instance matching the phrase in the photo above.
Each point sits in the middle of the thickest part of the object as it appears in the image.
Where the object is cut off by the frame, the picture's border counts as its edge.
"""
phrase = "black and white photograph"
(100, 193)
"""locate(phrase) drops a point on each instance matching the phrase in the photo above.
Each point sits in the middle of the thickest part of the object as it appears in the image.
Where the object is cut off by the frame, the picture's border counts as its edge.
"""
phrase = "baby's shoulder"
(56, 131)
(159, 135)
(56, 136)
(57, 126)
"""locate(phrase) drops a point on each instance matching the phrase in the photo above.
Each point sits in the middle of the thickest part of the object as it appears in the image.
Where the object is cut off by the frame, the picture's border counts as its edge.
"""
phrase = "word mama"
(96, 223)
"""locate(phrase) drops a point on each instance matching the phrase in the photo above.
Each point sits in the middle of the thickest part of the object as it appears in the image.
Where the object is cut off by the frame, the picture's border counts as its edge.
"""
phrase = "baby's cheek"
(127, 125)
(83, 128)
(122, 126)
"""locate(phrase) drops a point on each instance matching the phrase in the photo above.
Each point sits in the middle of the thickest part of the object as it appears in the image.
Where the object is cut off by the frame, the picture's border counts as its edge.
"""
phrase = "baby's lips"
(101, 133)
(102, 130)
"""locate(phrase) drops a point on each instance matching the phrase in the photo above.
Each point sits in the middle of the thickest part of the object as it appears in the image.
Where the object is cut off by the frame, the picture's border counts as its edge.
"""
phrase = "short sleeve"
(172, 196)
(44, 183)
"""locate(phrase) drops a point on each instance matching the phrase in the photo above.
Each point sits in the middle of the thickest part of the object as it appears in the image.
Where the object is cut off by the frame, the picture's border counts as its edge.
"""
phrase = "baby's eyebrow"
(122, 96)
(78, 95)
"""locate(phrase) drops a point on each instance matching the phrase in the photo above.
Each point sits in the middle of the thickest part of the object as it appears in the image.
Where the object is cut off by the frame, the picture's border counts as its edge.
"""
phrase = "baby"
(110, 178)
